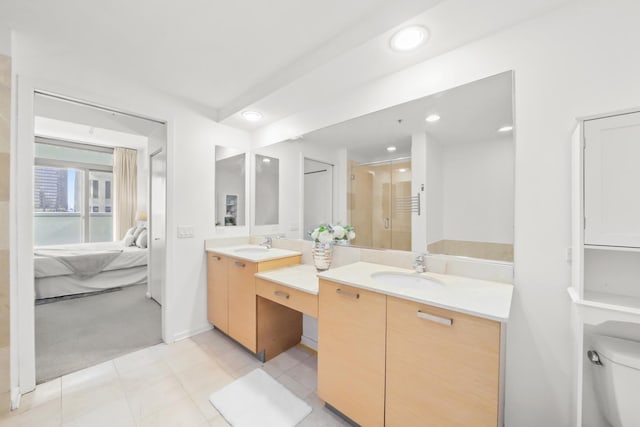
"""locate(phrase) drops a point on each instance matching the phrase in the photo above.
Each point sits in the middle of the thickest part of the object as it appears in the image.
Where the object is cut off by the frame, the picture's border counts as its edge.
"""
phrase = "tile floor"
(165, 385)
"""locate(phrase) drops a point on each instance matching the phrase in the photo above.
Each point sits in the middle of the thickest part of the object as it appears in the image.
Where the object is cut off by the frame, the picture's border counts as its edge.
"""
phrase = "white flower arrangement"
(327, 233)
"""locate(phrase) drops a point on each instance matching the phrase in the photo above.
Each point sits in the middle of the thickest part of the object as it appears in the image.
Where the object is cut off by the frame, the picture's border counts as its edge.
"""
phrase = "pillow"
(136, 233)
(128, 239)
(141, 241)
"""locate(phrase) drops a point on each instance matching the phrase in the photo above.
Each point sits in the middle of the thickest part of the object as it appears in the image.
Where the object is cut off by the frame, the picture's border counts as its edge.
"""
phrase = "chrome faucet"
(268, 242)
(420, 263)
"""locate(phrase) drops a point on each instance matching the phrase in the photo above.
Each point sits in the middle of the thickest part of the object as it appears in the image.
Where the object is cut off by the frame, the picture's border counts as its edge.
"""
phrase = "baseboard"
(191, 332)
(308, 342)
(15, 398)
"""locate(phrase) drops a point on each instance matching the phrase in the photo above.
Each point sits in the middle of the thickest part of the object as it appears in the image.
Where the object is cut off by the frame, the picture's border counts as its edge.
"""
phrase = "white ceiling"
(277, 56)
(468, 114)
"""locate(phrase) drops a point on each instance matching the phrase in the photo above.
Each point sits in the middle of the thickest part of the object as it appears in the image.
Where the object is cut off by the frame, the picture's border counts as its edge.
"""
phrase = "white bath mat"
(258, 400)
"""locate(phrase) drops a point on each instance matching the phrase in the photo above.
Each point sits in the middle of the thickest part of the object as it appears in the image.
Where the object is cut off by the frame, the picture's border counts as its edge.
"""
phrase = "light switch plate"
(185, 231)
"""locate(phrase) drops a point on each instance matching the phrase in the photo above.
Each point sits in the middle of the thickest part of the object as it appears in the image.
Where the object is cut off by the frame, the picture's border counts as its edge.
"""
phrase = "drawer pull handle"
(217, 258)
(239, 264)
(347, 294)
(280, 294)
(437, 319)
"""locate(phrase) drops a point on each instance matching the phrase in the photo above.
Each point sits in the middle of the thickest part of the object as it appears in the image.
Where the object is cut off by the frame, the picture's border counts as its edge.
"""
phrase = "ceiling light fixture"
(505, 128)
(252, 116)
(391, 148)
(431, 118)
(409, 38)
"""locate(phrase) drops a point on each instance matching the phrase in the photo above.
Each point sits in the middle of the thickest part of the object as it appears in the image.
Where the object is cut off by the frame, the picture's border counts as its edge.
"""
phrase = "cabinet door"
(351, 351)
(612, 181)
(438, 374)
(217, 296)
(242, 302)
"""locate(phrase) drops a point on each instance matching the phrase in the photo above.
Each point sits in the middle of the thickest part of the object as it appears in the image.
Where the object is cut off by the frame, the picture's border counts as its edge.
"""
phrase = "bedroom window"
(72, 193)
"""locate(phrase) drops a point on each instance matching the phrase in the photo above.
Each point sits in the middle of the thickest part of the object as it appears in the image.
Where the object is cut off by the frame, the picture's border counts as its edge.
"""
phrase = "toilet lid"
(623, 352)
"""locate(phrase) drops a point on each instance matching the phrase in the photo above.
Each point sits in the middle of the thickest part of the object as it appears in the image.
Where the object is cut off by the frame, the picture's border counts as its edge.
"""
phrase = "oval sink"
(406, 282)
(257, 250)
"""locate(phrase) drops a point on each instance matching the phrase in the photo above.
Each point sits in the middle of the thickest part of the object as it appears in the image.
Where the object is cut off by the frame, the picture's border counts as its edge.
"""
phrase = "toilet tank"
(617, 380)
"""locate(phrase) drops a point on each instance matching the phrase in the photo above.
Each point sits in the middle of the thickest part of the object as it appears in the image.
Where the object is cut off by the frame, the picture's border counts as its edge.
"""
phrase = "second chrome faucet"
(420, 263)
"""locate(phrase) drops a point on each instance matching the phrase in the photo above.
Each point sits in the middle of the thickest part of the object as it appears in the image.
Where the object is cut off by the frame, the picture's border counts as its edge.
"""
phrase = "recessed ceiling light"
(252, 116)
(409, 38)
(505, 128)
(432, 118)
(266, 160)
(391, 148)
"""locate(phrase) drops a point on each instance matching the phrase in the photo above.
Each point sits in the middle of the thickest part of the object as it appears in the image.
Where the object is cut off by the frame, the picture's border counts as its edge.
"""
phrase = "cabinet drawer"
(289, 297)
(443, 367)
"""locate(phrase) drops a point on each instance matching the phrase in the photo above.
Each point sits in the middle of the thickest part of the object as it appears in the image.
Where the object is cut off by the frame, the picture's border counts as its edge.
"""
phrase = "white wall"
(477, 195)
(578, 60)
(191, 139)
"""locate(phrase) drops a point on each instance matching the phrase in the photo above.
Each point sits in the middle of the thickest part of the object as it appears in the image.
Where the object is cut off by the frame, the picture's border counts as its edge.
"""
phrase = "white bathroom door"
(157, 243)
(612, 181)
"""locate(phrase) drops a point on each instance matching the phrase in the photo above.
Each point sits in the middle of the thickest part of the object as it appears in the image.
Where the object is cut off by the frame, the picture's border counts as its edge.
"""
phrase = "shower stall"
(380, 203)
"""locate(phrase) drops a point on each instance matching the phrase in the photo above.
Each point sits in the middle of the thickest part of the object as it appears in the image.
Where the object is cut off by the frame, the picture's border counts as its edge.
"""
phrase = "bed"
(87, 267)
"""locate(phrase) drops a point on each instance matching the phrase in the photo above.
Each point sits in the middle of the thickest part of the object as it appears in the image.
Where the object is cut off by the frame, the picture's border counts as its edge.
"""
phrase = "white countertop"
(491, 300)
(303, 277)
(260, 255)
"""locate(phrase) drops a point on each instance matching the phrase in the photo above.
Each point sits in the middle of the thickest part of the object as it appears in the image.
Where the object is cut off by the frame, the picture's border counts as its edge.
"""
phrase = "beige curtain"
(125, 184)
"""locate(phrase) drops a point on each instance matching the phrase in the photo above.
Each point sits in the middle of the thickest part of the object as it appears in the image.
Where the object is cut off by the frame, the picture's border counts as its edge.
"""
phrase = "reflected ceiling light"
(409, 38)
(391, 148)
(505, 128)
(402, 170)
(432, 118)
(252, 116)
(266, 160)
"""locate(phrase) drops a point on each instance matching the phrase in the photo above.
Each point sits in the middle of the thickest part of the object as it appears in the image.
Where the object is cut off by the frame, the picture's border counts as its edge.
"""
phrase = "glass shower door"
(377, 204)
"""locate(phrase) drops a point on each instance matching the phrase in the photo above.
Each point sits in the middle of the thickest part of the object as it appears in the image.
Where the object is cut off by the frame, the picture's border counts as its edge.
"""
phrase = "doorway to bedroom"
(99, 218)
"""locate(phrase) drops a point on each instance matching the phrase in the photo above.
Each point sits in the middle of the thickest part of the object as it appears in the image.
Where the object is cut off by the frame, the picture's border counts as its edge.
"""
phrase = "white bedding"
(132, 256)
(49, 287)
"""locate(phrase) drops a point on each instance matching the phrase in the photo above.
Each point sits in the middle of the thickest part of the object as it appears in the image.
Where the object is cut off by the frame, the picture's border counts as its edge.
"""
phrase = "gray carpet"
(73, 334)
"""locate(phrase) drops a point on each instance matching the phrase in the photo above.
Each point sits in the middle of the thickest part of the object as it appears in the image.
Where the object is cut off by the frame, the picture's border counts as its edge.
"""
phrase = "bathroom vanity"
(396, 348)
(231, 291)
(416, 349)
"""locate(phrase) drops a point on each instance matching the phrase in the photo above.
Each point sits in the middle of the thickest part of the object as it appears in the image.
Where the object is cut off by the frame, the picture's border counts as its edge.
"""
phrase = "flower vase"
(322, 255)
(343, 242)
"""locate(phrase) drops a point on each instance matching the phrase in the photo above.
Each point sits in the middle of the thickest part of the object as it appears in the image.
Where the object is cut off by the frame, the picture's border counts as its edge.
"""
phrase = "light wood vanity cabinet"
(351, 351)
(242, 302)
(439, 374)
(217, 293)
(386, 361)
(231, 295)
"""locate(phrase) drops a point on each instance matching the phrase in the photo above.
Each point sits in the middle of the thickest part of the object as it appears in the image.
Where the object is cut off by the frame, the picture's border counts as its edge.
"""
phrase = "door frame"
(151, 208)
(21, 264)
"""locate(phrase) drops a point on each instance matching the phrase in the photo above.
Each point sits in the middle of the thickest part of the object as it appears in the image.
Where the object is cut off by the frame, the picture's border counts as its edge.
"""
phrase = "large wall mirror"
(230, 184)
(435, 174)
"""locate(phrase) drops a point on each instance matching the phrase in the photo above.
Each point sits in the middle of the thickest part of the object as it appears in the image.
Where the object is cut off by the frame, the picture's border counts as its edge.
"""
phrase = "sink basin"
(406, 282)
(256, 250)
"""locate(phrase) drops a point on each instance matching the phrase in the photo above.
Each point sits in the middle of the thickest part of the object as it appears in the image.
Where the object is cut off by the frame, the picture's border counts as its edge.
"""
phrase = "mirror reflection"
(230, 186)
(267, 190)
(431, 175)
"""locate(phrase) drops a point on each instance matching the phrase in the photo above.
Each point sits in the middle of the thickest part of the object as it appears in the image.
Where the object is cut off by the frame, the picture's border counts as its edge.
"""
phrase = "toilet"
(616, 368)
